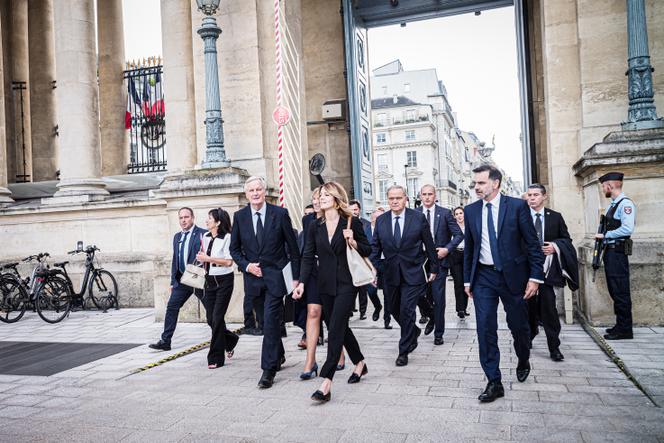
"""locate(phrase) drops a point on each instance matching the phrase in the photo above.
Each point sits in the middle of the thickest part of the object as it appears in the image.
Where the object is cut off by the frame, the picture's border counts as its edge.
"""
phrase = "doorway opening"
(433, 92)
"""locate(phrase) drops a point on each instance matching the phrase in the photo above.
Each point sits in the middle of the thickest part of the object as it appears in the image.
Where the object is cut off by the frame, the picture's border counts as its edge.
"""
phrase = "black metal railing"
(145, 117)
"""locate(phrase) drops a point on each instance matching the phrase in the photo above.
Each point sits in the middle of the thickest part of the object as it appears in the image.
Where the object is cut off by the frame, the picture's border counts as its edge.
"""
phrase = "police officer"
(618, 228)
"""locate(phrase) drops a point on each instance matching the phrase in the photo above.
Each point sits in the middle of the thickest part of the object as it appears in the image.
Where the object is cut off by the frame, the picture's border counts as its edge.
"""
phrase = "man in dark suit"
(356, 207)
(372, 289)
(503, 261)
(402, 235)
(262, 244)
(550, 227)
(446, 236)
(186, 244)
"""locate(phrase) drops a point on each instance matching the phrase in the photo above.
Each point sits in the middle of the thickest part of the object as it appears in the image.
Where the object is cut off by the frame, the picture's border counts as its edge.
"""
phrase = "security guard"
(618, 228)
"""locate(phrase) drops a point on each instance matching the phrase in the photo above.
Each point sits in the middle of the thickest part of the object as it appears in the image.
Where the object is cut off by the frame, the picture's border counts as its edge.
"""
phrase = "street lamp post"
(215, 154)
(405, 176)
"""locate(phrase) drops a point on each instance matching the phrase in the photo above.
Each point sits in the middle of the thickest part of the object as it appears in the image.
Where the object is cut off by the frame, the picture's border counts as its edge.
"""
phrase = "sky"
(476, 59)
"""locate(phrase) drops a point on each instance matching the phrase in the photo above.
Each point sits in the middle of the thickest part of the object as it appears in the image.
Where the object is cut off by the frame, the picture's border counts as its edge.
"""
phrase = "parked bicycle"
(44, 291)
(100, 285)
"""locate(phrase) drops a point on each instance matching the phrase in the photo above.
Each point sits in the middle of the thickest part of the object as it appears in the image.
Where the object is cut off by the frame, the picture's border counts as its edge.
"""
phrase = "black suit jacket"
(447, 233)
(194, 247)
(272, 256)
(554, 226)
(555, 230)
(336, 278)
(403, 264)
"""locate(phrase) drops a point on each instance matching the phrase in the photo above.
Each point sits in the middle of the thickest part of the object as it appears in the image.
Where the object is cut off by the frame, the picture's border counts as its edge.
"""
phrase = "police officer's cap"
(611, 176)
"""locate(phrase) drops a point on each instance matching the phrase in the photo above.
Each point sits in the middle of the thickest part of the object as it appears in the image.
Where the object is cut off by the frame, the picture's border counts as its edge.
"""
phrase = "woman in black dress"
(326, 238)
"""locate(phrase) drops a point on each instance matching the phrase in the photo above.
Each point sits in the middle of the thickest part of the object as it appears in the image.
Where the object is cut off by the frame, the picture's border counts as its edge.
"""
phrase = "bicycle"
(99, 283)
(43, 291)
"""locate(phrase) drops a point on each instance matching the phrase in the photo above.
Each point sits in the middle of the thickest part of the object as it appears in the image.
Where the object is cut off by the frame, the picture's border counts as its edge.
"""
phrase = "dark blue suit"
(447, 234)
(521, 259)
(403, 277)
(371, 290)
(272, 257)
(180, 293)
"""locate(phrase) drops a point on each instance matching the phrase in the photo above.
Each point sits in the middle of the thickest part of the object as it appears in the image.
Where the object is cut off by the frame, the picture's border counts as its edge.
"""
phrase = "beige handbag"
(360, 268)
(193, 276)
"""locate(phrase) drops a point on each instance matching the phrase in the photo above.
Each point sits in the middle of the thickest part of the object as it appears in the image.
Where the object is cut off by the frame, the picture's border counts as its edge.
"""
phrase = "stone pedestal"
(201, 190)
(640, 156)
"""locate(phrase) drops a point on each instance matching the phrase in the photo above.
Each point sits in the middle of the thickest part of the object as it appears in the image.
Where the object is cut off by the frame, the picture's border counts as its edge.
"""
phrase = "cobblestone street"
(585, 398)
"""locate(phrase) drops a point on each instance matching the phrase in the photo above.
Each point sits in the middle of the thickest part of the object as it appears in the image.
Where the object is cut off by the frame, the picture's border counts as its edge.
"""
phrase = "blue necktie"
(397, 232)
(181, 263)
(493, 241)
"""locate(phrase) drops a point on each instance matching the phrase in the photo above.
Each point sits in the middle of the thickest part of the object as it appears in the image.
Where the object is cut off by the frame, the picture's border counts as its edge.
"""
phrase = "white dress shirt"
(485, 247)
(432, 217)
(402, 220)
(254, 217)
(186, 243)
(533, 214)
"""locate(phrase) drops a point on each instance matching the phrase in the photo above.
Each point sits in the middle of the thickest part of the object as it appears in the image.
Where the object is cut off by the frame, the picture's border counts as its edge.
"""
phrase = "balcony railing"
(401, 121)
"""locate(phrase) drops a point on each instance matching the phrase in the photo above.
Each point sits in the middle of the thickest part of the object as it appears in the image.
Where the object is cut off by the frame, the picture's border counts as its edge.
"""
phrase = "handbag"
(194, 275)
(361, 269)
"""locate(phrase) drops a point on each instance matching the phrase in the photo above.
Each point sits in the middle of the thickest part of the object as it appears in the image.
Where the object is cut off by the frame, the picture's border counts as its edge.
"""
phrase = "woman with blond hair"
(326, 238)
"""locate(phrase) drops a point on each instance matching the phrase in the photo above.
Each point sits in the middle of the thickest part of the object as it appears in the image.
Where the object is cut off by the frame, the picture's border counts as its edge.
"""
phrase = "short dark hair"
(538, 186)
(221, 216)
(494, 173)
(309, 206)
(355, 202)
(455, 209)
(186, 208)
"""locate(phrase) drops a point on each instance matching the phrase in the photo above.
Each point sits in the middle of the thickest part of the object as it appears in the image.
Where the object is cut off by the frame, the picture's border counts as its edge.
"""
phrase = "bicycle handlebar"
(87, 250)
(37, 256)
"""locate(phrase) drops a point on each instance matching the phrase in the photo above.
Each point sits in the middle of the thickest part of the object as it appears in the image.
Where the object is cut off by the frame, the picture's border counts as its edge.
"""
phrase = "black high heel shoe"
(354, 378)
(320, 397)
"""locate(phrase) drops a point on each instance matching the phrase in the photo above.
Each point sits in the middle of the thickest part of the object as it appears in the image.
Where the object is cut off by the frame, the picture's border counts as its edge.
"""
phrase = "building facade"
(574, 57)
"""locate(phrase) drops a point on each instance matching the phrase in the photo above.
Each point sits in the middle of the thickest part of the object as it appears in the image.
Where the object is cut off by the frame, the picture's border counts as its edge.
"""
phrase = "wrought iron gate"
(145, 116)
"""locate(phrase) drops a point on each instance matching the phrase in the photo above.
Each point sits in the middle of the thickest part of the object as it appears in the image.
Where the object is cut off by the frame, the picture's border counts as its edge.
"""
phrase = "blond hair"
(340, 198)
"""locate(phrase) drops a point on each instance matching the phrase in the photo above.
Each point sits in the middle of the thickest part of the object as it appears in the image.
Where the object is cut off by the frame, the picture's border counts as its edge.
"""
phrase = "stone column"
(77, 102)
(179, 84)
(42, 90)
(112, 91)
(642, 113)
(5, 194)
(20, 93)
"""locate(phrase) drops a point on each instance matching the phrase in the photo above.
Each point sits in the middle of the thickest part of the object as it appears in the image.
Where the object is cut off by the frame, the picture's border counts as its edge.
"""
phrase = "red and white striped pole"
(279, 121)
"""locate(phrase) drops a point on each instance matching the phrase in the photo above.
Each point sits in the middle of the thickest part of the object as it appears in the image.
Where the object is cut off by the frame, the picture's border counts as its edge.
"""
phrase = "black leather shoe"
(281, 362)
(619, 336)
(610, 330)
(320, 397)
(376, 314)
(254, 331)
(429, 328)
(461, 315)
(160, 346)
(556, 355)
(438, 341)
(493, 390)
(413, 346)
(388, 326)
(402, 360)
(424, 319)
(354, 378)
(522, 371)
(267, 380)
(363, 316)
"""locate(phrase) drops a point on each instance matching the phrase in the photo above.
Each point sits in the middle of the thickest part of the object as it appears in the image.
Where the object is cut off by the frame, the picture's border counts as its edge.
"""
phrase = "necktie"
(538, 228)
(259, 230)
(181, 262)
(493, 241)
(397, 232)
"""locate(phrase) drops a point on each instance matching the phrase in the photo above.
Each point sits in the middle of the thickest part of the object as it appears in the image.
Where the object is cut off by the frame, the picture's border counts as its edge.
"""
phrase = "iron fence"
(145, 117)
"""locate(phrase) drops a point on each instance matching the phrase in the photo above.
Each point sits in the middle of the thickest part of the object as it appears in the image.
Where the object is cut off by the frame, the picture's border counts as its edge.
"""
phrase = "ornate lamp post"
(215, 155)
(642, 113)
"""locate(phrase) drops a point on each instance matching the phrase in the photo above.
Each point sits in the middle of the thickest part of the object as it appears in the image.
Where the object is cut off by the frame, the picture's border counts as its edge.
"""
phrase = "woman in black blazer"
(326, 238)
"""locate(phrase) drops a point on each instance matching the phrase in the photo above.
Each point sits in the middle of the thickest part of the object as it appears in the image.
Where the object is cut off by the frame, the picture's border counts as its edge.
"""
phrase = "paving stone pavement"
(585, 398)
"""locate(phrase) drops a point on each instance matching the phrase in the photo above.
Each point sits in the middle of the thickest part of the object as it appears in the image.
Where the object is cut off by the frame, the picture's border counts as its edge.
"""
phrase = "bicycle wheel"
(103, 290)
(53, 299)
(13, 300)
